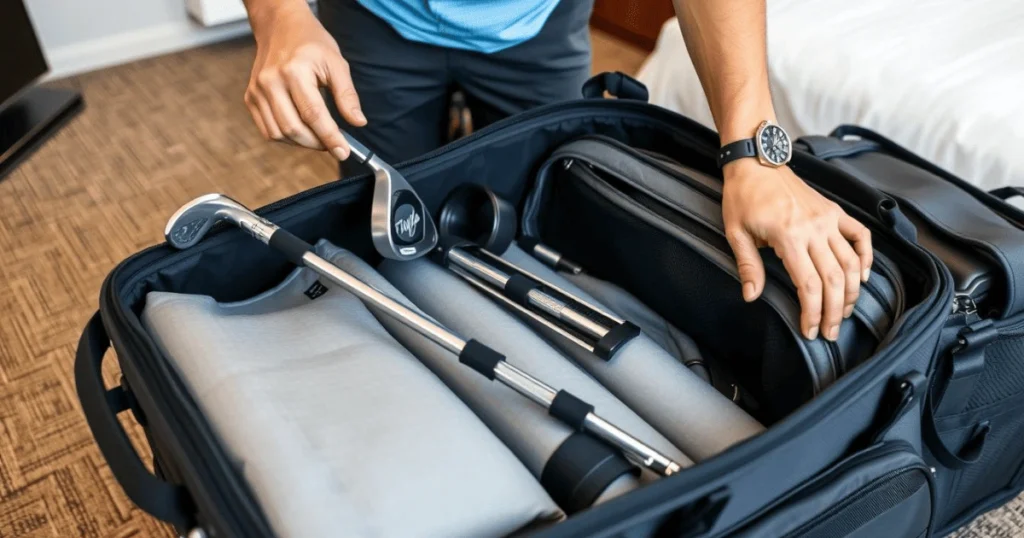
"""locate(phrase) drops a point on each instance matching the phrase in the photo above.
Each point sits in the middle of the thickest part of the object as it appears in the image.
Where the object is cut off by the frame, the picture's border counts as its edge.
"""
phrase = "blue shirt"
(481, 25)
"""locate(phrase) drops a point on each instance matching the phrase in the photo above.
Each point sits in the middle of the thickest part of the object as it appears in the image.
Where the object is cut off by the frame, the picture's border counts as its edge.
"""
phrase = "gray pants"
(405, 87)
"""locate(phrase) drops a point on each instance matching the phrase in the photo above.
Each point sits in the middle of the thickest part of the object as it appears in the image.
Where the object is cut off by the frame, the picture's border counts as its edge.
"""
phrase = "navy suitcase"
(850, 460)
(974, 420)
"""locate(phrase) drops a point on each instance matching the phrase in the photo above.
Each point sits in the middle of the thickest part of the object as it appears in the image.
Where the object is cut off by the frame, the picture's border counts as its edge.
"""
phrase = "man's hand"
(826, 252)
(295, 57)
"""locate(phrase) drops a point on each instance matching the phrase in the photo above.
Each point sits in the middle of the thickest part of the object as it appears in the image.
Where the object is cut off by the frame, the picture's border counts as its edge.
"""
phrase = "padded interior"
(230, 266)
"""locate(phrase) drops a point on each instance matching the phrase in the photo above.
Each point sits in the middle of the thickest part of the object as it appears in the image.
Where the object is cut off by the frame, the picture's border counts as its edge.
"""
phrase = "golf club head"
(400, 225)
(192, 221)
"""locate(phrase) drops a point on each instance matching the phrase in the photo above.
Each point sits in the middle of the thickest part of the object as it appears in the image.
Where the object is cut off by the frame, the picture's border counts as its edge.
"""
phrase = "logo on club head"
(407, 222)
(186, 233)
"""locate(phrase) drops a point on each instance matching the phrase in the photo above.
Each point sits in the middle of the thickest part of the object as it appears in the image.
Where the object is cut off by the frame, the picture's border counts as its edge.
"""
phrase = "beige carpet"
(155, 134)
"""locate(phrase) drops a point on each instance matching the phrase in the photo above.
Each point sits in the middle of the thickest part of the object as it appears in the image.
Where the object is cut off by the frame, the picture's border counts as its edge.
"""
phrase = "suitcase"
(848, 461)
(974, 420)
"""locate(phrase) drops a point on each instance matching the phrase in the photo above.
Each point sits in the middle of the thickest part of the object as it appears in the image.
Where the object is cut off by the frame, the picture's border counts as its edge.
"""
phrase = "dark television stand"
(31, 119)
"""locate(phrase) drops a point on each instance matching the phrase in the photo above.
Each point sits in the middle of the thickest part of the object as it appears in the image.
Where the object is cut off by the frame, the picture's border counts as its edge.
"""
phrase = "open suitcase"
(843, 453)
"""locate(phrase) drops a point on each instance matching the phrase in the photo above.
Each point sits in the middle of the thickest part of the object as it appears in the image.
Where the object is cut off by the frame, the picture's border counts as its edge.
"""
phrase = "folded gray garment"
(338, 429)
(682, 406)
(625, 305)
(524, 426)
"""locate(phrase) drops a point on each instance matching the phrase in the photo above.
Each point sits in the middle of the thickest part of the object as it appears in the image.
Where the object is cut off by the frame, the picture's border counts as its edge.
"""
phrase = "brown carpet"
(155, 134)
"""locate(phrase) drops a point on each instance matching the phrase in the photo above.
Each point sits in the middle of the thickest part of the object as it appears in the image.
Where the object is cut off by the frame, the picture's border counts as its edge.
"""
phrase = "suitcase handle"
(617, 84)
(162, 500)
(1005, 193)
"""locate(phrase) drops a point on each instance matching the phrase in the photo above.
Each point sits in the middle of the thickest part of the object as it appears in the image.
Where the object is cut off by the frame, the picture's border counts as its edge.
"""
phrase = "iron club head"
(400, 225)
(192, 221)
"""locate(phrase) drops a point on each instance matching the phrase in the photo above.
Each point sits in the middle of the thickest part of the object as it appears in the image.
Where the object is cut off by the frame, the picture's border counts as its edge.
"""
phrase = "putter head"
(190, 223)
(400, 225)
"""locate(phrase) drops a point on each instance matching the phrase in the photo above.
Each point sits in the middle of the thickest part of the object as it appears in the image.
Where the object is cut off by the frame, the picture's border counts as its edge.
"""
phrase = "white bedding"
(945, 78)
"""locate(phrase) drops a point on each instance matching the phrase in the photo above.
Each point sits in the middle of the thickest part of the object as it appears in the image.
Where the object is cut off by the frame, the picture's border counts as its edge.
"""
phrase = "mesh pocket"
(999, 399)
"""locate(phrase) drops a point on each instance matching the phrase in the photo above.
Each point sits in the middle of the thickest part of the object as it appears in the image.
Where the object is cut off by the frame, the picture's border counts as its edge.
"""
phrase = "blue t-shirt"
(481, 25)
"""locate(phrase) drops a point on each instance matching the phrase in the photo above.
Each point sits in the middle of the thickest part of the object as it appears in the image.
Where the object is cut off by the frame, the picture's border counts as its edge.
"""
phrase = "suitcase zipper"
(821, 481)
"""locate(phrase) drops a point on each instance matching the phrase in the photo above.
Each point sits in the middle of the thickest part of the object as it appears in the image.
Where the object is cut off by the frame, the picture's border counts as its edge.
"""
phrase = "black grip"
(292, 247)
(518, 288)
(580, 469)
(570, 410)
(160, 499)
(480, 358)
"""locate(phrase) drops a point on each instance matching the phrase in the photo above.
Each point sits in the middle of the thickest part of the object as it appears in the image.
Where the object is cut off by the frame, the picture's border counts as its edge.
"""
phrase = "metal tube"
(409, 317)
(545, 302)
(525, 384)
(490, 292)
(634, 449)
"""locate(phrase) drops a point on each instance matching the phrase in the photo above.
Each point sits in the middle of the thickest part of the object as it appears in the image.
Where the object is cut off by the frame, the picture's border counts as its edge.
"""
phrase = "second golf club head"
(400, 225)
(190, 223)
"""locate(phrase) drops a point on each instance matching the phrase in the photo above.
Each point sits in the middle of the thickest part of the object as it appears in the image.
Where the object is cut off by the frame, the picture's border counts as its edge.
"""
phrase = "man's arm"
(826, 252)
(295, 57)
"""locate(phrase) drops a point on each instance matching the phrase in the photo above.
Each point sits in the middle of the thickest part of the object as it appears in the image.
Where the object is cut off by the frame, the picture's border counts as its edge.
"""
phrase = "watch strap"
(737, 150)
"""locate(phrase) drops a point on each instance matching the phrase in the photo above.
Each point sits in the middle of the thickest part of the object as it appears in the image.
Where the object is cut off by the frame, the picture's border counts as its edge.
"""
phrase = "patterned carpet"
(154, 134)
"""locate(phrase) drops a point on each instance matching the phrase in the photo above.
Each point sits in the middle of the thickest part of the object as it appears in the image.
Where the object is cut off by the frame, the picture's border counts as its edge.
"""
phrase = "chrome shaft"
(543, 301)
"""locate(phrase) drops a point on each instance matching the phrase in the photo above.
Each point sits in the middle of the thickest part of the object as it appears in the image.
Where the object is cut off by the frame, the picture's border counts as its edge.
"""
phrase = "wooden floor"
(154, 134)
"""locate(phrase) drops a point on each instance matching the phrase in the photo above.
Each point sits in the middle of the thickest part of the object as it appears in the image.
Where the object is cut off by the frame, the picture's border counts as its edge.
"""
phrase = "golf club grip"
(290, 245)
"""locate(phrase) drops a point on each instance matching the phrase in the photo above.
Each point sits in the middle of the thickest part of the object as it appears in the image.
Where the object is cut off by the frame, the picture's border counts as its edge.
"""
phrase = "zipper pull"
(964, 304)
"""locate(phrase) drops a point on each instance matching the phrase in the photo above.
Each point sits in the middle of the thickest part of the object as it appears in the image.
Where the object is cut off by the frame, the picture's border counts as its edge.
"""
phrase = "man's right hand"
(295, 57)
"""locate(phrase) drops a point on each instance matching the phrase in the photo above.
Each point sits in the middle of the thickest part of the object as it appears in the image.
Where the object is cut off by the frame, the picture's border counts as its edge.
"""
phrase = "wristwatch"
(771, 146)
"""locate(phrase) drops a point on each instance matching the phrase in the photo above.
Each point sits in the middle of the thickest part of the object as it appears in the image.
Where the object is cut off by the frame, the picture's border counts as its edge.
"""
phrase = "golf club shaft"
(301, 252)
(546, 303)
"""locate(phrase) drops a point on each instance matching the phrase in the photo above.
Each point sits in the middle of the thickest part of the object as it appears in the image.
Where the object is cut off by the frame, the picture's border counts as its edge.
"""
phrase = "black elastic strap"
(967, 362)
(292, 247)
(580, 470)
(480, 358)
(614, 339)
(570, 410)
(518, 288)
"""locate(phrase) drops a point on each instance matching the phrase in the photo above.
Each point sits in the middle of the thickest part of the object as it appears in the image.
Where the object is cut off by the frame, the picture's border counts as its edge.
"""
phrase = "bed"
(943, 77)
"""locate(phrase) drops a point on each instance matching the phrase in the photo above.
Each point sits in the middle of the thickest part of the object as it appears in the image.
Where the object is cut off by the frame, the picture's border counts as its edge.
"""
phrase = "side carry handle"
(617, 84)
(163, 500)
(965, 364)
(1005, 193)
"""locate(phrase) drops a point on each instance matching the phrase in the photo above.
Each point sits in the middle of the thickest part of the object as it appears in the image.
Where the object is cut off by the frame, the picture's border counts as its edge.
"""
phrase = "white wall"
(83, 35)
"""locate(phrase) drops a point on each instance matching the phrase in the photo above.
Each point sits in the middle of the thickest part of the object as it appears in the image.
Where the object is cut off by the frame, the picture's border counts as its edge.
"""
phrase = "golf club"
(598, 331)
(400, 225)
(192, 221)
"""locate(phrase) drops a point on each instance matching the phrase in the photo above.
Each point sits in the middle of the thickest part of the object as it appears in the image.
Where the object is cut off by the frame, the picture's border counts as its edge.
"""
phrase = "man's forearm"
(726, 41)
(261, 12)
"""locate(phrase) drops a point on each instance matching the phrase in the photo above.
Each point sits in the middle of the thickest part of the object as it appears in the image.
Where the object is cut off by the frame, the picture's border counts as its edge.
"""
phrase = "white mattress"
(945, 78)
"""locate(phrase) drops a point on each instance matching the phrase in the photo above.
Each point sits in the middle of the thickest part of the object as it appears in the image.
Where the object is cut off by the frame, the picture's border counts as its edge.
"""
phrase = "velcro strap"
(580, 470)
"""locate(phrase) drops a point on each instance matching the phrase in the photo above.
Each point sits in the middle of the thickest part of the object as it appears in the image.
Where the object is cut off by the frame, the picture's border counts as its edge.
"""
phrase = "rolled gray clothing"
(682, 406)
(339, 430)
(624, 305)
(524, 426)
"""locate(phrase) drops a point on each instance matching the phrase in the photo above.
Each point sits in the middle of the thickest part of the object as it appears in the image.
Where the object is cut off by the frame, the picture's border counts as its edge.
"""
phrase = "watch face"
(773, 144)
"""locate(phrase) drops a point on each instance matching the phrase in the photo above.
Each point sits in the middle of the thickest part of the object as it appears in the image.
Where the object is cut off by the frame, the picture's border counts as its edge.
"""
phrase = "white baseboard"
(129, 46)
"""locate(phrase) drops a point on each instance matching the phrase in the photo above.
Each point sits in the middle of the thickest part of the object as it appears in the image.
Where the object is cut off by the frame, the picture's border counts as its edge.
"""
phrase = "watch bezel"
(760, 151)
